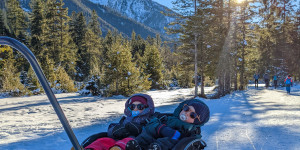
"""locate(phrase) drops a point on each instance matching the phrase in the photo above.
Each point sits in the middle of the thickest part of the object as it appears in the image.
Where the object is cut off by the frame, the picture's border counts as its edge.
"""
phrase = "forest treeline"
(233, 40)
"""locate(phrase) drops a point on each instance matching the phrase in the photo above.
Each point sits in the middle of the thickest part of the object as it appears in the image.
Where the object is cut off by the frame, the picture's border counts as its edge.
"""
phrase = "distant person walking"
(256, 77)
(288, 83)
(267, 79)
(275, 81)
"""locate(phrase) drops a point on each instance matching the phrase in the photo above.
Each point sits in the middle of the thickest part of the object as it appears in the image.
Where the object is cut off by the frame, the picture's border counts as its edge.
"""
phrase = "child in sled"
(164, 132)
(138, 108)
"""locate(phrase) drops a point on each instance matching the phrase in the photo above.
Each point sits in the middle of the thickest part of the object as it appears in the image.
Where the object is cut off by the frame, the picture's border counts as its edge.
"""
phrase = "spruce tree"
(38, 28)
(33, 82)
(121, 74)
(61, 45)
(3, 29)
(64, 82)
(94, 24)
(138, 45)
(201, 35)
(17, 24)
(16, 19)
(170, 59)
(82, 63)
(153, 65)
(94, 45)
(41, 42)
(93, 53)
(10, 78)
(107, 43)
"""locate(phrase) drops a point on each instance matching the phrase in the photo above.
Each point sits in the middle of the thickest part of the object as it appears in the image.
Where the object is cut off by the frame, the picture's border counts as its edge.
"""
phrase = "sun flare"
(240, 1)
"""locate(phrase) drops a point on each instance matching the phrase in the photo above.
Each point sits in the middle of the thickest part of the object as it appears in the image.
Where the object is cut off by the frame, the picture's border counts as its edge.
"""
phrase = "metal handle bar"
(39, 73)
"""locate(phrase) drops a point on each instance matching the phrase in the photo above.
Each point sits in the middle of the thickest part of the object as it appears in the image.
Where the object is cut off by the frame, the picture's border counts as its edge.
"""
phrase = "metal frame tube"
(39, 73)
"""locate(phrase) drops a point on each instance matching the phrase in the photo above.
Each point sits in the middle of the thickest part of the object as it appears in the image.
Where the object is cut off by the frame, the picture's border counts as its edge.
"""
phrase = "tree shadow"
(59, 140)
(242, 110)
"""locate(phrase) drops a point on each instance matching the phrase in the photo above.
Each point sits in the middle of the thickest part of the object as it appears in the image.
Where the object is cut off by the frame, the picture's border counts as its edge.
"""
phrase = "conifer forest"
(218, 43)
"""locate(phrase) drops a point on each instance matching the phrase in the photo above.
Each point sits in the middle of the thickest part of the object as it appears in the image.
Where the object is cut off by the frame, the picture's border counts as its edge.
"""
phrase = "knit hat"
(139, 99)
(202, 110)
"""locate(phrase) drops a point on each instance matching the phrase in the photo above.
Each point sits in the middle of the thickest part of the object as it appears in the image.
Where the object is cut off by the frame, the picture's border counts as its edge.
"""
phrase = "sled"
(189, 143)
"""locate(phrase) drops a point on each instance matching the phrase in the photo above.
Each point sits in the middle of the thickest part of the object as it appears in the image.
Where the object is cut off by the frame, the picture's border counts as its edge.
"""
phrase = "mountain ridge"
(112, 19)
(147, 12)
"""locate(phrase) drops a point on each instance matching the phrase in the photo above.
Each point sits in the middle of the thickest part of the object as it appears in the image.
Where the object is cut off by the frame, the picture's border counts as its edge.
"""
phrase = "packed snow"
(252, 119)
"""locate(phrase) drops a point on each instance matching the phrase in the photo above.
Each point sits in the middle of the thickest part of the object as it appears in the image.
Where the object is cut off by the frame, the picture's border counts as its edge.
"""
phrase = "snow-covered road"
(255, 120)
(252, 119)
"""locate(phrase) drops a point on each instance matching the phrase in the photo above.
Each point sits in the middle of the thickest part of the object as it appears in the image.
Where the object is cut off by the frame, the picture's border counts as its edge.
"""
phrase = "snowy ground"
(253, 119)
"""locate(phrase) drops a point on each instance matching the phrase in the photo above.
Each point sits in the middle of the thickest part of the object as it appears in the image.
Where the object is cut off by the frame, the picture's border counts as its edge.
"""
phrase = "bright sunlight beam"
(240, 1)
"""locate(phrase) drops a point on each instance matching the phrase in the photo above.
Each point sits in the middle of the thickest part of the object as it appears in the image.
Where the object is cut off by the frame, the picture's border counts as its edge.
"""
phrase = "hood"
(204, 119)
(148, 111)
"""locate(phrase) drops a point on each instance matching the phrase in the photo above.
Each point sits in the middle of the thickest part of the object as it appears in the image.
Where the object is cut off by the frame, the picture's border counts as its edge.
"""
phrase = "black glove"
(151, 127)
(134, 128)
(120, 132)
(166, 143)
(185, 132)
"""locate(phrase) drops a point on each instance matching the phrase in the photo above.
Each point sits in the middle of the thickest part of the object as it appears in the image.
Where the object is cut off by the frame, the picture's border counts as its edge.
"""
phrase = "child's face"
(136, 103)
(189, 113)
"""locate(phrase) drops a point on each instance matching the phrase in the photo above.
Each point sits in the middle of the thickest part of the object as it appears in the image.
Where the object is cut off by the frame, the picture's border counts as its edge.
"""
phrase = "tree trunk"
(202, 84)
(235, 76)
(243, 52)
(117, 86)
(196, 60)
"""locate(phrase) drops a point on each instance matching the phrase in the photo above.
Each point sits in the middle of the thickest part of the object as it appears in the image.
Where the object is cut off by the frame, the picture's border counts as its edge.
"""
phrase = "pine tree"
(121, 74)
(17, 24)
(33, 83)
(200, 36)
(153, 65)
(107, 43)
(10, 80)
(80, 29)
(40, 42)
(295, 34)
(50, 70)
(78, 35)
(64, 82)
(169, 57)
(138, 45)
(38, 28)
(95, 48)
(3, 29)
(184, 75)
(94, 24)
(52, 30)
(16, 20)
(273, 38)
(61, 45)
(93, 53)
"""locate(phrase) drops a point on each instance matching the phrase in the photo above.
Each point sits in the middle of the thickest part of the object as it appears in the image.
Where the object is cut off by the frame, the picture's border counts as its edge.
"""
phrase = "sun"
(240, 1)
